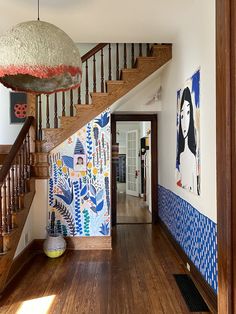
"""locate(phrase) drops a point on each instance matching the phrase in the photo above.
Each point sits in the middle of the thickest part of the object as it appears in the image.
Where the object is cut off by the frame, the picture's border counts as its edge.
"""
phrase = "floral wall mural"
(79, 187)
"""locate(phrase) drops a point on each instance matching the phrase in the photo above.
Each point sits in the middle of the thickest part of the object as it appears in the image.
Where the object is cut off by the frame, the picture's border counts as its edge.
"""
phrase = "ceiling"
(92, 21)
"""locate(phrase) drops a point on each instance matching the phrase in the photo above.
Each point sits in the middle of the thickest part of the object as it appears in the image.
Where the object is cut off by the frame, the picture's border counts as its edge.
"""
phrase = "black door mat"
(190, 294)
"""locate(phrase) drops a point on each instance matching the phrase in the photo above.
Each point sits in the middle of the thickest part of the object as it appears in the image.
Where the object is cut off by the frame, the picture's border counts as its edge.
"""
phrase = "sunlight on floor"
(36, 306)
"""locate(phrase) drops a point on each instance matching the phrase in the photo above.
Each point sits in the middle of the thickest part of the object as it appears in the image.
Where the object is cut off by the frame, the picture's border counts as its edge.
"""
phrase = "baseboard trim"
(206, 291)
(80, 243)
(89, 243)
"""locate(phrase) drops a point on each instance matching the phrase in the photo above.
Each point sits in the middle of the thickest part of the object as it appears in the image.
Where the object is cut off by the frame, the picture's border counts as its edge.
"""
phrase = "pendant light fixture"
(38, 57)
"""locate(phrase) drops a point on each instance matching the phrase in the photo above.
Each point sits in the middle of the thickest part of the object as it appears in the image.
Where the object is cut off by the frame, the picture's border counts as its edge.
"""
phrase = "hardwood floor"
(134, 278)
(131, 209)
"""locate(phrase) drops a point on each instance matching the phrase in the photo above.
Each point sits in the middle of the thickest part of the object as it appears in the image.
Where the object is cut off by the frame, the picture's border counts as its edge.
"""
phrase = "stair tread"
(84, 106)
(130, 70)
(4, 253)
(52, 129)
(68, 118)
(11, 232)
(151, 58)
(99, 94)
(118, 82)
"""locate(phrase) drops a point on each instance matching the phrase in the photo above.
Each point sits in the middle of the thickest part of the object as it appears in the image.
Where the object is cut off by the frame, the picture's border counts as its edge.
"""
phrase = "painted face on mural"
(185, 118)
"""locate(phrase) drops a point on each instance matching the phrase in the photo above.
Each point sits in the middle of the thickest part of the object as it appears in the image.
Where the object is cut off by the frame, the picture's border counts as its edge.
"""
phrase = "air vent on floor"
(190, 294)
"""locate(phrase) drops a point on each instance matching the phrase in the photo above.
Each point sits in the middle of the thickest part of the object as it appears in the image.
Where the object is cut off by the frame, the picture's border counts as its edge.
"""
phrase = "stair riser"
(111, 88)
(129, 76)
(163, 52)
(81, 109)
(67, 121)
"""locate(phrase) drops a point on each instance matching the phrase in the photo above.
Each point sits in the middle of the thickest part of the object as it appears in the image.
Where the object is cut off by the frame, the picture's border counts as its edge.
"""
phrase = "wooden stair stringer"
(12, 239)
(130, 78)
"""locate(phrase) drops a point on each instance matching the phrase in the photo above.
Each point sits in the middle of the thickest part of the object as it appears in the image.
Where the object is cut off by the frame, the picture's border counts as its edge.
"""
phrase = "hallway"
(131, 209)
(134, 278)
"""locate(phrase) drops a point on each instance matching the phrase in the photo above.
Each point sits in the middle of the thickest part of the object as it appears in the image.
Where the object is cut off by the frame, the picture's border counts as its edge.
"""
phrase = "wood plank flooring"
(134, 278)
(131, 209)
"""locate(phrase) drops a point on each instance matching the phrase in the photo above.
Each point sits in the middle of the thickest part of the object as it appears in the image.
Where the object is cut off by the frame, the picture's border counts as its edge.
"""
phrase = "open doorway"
(133, 172)
(134, 169)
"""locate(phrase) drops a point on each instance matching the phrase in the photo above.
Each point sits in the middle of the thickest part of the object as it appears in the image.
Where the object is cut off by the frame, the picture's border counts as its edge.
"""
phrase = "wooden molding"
(20, 261)
(81, 243)
(40, 167)
(31, 105)
(205, 290)
(5, 149)
(226, 153)
(89, 243)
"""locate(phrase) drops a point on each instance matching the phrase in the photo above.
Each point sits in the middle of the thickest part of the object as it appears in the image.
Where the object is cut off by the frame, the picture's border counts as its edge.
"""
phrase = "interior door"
(132, 163)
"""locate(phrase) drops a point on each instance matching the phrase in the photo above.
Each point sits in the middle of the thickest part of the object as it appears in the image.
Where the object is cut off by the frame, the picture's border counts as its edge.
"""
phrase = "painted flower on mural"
(66, 189)
(80, 200)
(103, 120)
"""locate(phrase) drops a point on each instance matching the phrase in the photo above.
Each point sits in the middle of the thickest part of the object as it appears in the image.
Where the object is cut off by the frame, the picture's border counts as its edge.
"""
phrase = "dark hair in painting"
(191, 131)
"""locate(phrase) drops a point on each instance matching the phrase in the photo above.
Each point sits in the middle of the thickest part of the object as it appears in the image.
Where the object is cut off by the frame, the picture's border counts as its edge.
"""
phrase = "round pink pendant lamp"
(38, 57)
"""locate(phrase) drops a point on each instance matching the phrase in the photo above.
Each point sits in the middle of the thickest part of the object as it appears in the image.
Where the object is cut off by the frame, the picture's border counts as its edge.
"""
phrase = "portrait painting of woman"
(187, 162)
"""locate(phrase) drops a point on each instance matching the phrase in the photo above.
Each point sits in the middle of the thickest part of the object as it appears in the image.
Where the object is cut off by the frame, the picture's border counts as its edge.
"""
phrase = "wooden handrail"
(92, 52)
(14, 150)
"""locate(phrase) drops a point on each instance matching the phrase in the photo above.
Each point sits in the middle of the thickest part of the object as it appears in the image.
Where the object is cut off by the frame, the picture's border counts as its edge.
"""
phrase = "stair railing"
(14, 174)
(103, 62)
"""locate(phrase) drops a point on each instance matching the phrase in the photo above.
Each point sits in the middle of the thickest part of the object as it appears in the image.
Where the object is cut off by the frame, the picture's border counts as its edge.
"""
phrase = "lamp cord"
(38, 11)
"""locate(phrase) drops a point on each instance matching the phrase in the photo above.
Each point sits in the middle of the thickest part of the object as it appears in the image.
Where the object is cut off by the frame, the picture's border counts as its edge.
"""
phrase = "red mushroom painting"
(18, 107)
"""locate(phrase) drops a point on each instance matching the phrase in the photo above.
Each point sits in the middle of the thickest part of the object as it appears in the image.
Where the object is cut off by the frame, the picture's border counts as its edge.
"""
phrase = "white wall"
(8, 132)
(141, 98)
(105, 20)
(194, 46)
(36, 223)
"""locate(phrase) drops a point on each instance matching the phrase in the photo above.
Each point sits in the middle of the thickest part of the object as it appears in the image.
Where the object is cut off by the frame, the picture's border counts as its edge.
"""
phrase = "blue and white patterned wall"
(194, 232)
(79, 187)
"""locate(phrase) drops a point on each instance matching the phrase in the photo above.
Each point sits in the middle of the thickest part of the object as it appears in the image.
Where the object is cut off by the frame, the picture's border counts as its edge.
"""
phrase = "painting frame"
(18, 107)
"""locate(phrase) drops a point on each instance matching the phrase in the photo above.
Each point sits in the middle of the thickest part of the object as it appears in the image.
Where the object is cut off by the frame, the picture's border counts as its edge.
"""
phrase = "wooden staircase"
(95, 101)
(17, 190)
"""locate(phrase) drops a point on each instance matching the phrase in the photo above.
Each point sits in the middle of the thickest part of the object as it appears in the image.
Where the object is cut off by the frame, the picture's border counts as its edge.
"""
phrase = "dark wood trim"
(226, 154)
(154, 167)
(89, 243)
(206, 291)
(113, 173)
(142, 116)
(21, 260)
(5, 149)
(92, 52)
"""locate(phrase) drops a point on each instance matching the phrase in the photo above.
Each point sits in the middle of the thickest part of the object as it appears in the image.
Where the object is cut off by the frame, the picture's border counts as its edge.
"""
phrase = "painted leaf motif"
(68, 161)
(93, 199)
(83, 191)
(86, 197)
(93, 189)
(99, 195)
(93, 209)
(100, 206)
(103, 121)
(104, 229)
